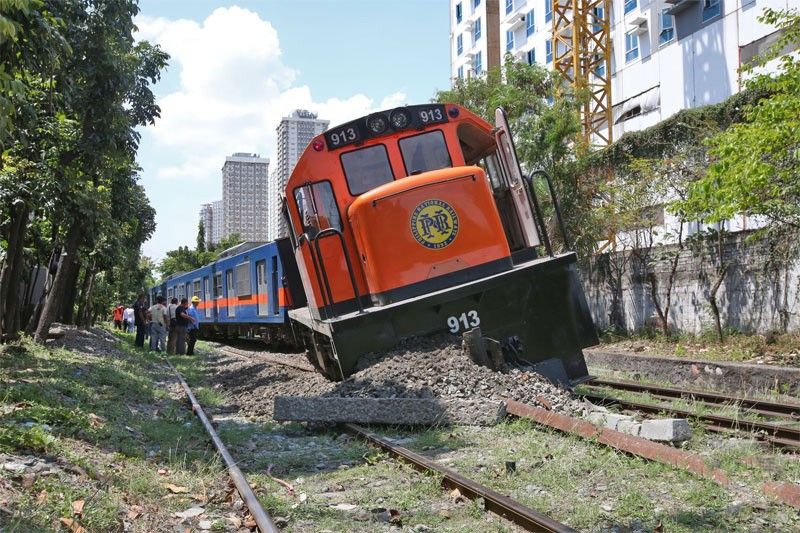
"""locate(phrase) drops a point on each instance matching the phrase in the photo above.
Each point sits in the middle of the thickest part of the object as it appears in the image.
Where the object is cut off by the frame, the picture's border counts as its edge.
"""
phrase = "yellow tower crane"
(582, 54)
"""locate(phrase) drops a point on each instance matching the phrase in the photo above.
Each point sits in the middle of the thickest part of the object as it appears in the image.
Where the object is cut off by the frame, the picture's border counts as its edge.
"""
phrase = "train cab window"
(317, 207)
(475, 143)
(366, 168)
(424, 152)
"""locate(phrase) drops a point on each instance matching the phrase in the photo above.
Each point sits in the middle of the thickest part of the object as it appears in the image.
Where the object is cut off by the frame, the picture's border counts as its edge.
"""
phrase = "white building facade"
(474, 37)
(294, 134)
(667, 55)
(212, 217)
(244, 196)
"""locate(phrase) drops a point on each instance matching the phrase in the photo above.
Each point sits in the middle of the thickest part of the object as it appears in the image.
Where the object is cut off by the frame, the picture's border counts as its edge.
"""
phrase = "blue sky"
(237, 67)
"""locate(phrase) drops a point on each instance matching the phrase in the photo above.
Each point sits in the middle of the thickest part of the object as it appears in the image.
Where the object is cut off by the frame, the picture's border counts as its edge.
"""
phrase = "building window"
(458, 13)
(461, 72)
(631, 46)
(600, 69)
(509, 40)
(597, 22)
(475, 4)
(529, 26)
(477, 35)
(548, 10)
(509, 6)
(460, 43)
(711, 9)
(478, 66)
(667, 27)
(630, 5)
(548, 50)
(532, 56)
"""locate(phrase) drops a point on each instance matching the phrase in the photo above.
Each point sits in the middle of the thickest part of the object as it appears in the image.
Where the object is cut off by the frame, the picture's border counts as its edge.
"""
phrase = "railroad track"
(297, 361)
(784, 433)
(521, 515)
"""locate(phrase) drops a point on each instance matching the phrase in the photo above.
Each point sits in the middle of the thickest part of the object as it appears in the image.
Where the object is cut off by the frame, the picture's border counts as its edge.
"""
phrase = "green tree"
(201, 237)
(755, 164)
(107, 86)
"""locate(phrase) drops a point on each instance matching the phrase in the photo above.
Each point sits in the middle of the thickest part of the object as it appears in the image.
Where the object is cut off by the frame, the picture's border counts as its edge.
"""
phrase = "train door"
(207, 297)
(275, 303)
(261, 287)
(217, 293)
(513, 173)
(231, 293)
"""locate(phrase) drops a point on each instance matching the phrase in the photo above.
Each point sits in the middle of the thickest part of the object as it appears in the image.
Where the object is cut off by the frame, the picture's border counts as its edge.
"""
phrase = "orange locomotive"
(418, 220)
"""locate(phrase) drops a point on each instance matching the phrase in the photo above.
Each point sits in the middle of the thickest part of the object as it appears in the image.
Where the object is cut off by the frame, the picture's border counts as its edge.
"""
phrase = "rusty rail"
(495, 502)
(262, 519)
(754, 405)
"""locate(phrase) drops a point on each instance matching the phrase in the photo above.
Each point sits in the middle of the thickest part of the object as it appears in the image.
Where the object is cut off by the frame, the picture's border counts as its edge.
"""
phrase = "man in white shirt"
(158, 324)
(128, 319)
(171, 339)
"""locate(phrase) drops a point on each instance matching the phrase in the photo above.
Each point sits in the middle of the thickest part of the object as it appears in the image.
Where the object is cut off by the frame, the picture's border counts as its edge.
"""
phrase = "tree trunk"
(67, 314)
(662, 317)
(85, 312)
(33, 321)
(12, 271)
(54, 301)
(712, 300)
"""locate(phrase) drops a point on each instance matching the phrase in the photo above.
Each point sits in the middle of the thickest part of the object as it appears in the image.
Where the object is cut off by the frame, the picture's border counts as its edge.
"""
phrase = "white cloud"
(234, 89)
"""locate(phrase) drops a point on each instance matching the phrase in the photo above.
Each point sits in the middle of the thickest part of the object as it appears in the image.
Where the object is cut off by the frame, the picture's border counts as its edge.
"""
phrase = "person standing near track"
(118, 311)
(182, 321)
(158, 324)
(194, 327)
(173, 305)
(140, 320)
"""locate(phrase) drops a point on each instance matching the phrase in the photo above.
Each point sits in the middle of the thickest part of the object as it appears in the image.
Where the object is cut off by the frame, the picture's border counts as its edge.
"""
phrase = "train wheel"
(320, 355)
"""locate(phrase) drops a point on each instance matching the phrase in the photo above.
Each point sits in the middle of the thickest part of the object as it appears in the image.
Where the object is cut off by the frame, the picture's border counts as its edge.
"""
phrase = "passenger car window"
(425, 152)
(317, 207)
(366, 168)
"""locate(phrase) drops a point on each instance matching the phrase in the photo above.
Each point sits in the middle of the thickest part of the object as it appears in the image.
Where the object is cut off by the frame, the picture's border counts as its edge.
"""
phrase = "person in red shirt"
(118, 310)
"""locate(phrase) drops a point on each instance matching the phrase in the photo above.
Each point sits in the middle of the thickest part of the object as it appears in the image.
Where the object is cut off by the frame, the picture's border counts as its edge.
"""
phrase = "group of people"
(172, 328)
(123, 318)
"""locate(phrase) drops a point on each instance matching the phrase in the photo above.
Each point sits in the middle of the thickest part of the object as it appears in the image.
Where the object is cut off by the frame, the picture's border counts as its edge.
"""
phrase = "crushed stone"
(430, 367)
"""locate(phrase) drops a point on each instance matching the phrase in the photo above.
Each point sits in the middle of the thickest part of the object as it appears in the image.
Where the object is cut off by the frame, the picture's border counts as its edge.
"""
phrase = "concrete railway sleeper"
(495, 502)
(260, 516)
(776, 434)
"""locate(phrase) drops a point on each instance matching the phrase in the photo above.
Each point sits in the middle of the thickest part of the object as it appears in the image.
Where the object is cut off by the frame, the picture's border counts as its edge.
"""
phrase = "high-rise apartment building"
(474, 36)
(244, 196)
(667, 55)
(212, 217)
(294, 134)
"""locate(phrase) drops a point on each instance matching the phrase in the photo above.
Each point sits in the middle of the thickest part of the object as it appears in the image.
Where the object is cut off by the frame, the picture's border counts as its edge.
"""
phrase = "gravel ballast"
(427, 368)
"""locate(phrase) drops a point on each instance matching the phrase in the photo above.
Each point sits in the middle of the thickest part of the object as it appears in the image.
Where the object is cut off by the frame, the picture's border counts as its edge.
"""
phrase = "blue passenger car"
(247, 291)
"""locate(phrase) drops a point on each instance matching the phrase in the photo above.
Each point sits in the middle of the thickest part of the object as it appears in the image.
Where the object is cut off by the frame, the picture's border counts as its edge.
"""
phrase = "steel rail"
(775, 433)
(269, 358)
(756, 405)
(495, 502)
(262, 519)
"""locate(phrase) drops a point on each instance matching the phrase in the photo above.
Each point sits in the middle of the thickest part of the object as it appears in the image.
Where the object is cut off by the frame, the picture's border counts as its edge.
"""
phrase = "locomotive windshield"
(424, 152)
(366, 168)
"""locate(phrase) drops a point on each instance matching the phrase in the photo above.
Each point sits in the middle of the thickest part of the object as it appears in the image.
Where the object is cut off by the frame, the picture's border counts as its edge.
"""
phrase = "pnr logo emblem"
(434, 224)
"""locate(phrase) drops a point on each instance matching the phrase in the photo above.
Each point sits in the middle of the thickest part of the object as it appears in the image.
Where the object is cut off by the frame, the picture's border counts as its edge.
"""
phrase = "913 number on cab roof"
(355, 132)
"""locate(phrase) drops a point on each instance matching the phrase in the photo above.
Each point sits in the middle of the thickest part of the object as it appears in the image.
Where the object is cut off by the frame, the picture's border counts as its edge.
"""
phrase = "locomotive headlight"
(400, 119)
(377, 124)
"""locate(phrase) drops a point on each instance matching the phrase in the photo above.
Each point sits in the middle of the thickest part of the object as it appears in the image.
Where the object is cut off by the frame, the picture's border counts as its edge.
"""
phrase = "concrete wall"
(759, 293)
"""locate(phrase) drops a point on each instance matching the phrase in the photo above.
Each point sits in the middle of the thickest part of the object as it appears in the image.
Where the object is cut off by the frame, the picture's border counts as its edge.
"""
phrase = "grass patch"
(100, 425)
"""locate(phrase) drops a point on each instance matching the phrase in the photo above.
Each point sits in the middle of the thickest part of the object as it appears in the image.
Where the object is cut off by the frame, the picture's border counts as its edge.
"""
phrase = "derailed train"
(407, 222)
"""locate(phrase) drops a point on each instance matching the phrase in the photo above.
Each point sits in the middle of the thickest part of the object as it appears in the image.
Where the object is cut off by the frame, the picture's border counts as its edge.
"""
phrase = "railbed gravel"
(429, 367)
